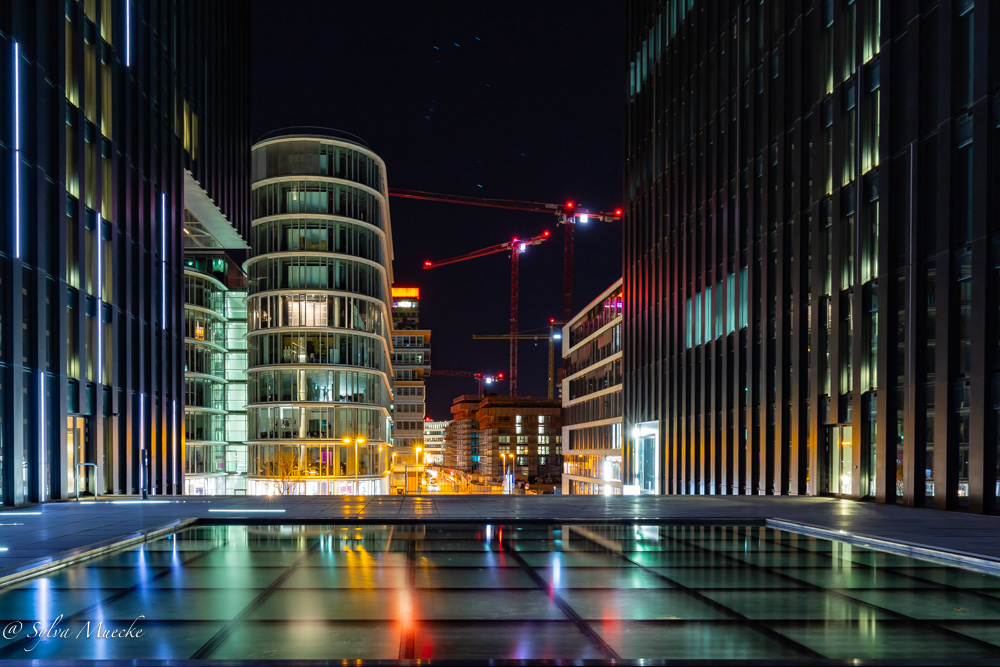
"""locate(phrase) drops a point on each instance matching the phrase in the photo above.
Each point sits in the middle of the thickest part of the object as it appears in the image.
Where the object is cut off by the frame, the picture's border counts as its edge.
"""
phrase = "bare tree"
(286, 471)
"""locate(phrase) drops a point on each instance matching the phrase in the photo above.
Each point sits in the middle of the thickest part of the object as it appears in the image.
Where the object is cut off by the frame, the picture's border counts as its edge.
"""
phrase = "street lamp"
(503, 476)
(357, 461)
(417, 461)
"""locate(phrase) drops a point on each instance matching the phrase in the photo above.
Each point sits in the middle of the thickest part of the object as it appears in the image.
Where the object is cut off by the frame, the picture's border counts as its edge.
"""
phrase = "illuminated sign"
(412, 292)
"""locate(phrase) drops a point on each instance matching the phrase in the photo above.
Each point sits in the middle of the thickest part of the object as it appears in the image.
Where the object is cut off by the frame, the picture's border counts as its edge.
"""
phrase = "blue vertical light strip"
(128, 33)
(41, 407)
(100, 300)
(163, 260)
(17, 150)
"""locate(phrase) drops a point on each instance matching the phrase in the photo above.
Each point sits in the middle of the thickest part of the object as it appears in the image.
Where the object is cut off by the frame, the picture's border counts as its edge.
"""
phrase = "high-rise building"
(811, 262)
(592, 397)
(434, 442)
(115, 118)
(411, 363)
(319, 371)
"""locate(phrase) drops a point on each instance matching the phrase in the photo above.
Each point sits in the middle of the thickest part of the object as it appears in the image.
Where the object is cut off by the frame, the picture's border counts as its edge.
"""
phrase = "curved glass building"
(319, 393)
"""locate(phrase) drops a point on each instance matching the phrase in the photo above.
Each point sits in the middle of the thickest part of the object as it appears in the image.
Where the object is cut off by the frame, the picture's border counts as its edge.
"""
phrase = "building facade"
(461, 436)
(318, 339)
(115, 117)
(215, 348)
(521, 434)
(434, 439)
(592, 435)
(811, 263)
(524, 434)
(411, 364)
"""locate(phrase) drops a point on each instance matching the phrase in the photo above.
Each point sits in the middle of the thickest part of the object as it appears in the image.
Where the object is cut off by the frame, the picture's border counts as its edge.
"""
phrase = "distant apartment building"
(434, 438)
(592, 397)
(525, 434)
(461, 449)
(489, 434)
(411, 363)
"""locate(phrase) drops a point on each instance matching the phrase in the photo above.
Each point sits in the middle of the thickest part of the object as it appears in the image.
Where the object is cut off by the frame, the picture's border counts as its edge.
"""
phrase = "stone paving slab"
(35, 536)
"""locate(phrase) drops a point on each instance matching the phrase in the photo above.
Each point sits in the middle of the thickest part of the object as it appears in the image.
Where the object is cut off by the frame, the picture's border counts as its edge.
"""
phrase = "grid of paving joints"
(521, 591)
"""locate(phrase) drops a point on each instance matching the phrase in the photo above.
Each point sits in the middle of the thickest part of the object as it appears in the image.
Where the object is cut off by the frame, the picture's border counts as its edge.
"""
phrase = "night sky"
(515, 100)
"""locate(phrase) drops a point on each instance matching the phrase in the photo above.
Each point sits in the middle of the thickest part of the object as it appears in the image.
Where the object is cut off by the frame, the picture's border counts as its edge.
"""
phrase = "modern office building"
(812, 254)
(215, 348)
(411, 363)
(592, 435)
(319, 371)
(434, 439)
(115, 117)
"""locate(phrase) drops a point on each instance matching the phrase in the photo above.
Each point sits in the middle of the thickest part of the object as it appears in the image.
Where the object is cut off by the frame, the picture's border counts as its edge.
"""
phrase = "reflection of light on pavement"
(556, 570)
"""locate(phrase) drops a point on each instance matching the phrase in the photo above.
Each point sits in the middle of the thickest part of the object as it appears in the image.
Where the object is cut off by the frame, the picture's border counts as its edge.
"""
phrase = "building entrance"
(76, 452)
(841, 460)
(646, 458)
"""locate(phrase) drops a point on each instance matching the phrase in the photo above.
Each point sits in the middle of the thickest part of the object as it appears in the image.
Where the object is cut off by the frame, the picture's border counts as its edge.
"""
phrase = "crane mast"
(516, 247)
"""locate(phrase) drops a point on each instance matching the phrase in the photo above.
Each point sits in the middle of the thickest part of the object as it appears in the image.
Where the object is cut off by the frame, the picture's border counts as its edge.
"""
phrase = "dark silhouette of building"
(812, 253)
(119, 121)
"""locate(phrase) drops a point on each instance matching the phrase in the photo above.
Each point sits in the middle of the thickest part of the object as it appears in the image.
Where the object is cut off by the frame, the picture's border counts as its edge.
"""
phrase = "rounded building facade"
(319, 393)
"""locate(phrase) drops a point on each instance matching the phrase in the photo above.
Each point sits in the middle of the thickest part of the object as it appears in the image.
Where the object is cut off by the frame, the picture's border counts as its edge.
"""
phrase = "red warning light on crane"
(569, 206)
(618, 211)
(427, 263)
(500, 376)
(545, 233)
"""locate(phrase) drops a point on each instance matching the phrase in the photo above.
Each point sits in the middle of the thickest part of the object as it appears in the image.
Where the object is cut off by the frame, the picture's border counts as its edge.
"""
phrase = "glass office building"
(319, 371)
(812, 253)
(115, 118)
(215, 349)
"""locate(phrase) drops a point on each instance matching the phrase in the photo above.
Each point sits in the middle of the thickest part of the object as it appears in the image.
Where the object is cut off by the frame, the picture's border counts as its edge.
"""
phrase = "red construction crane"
(568, 215)
(515, 247)
(481, 378)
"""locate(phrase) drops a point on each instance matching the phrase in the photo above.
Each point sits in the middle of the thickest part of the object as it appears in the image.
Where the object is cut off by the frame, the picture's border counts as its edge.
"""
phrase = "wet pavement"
(503, 590)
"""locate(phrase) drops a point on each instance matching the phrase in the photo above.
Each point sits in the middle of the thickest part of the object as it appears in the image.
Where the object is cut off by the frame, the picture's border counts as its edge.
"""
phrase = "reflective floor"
(526, 591)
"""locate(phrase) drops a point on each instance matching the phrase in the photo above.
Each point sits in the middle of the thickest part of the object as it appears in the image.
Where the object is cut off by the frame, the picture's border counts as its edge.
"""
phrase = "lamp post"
(416, 460)
(392, 467)
(357, 460)
(503, 474)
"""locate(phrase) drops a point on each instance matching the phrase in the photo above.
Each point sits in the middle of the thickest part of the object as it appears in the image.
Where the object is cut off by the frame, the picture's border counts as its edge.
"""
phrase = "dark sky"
(516, 100)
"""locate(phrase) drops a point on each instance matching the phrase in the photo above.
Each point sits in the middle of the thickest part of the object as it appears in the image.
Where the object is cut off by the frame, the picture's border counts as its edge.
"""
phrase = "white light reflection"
(128, 33)
(17, 149)
(163, 259)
